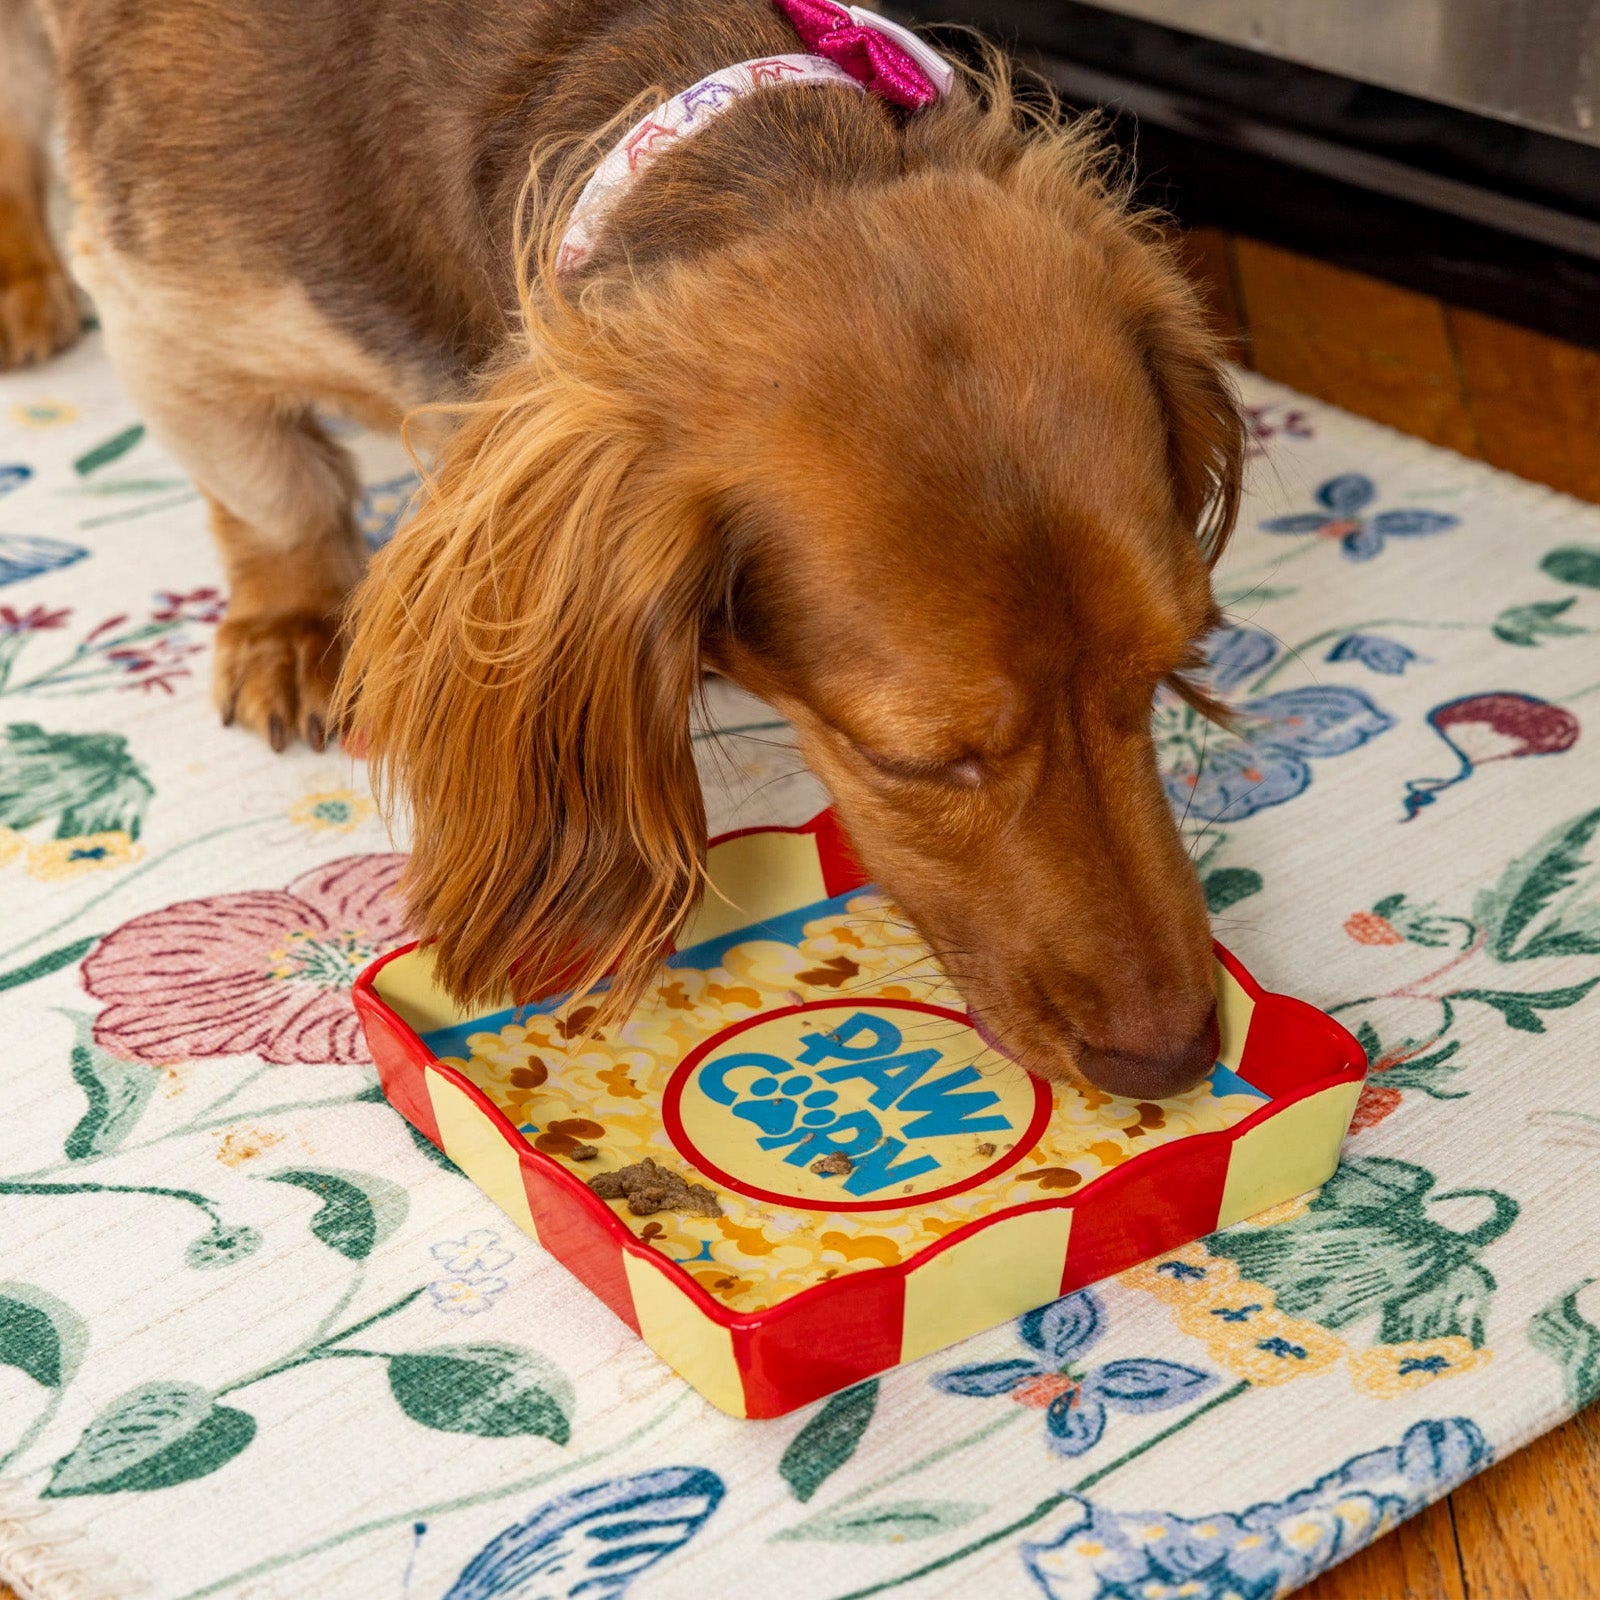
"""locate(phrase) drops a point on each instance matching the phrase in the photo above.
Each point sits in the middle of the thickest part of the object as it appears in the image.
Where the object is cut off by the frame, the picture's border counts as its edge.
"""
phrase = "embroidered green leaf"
(113, 486)
(40, 1335)
(1227, 886)
(358, 1211)
(828, 1439)
(1520, 1010)
(1377, 1238)
(108, 450)
(50, 961)
(1564, 1334)
(84, 782)
(1547, 902)
(117, 1092)
(1574, 563)
(1527, 625)
(1420, 1072)
(374, 1094)
(492, 1390)
(151, 1438)
(1452, 1303)
(887, 1524)
(1367, 1038)
(431, 1150)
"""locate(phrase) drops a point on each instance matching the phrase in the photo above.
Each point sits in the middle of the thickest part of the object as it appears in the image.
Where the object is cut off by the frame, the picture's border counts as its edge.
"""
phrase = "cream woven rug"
(255, 1342)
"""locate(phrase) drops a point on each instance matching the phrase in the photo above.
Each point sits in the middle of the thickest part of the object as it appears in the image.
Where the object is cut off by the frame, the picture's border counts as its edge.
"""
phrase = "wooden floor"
(1528, 1529)
(1516, 399)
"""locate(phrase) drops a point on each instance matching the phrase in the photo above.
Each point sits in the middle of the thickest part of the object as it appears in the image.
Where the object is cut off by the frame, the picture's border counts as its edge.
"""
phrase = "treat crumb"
(648, 1188)
(835, 1161)
(986, 1150)
(583, 1152)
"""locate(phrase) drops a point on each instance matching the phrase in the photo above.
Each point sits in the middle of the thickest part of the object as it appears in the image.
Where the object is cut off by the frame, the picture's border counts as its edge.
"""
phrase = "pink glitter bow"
(879, 54)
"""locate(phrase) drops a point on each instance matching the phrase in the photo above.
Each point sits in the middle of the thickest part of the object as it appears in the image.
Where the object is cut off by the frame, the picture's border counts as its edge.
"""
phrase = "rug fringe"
(53, 1566)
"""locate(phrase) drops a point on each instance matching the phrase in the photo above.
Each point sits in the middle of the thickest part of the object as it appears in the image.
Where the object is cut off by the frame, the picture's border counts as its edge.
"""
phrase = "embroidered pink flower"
(266, 972)
(35, 620)
(194, 605)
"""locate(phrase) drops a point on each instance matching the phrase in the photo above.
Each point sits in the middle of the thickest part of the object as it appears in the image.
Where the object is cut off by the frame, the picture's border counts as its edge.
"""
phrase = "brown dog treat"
(835, 1161)
(986, 1150)
(583, 1152)
(648, 1188)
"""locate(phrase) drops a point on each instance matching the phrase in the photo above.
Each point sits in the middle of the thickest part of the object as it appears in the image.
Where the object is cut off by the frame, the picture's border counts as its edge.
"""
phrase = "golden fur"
(910, 425)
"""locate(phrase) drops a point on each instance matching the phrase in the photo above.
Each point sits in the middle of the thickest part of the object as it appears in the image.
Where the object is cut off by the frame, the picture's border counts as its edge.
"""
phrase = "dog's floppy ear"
(521, 668)
(1205, 424)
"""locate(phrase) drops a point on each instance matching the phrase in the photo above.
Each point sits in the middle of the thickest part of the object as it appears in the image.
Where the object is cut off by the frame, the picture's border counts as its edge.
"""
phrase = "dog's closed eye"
(965, 772)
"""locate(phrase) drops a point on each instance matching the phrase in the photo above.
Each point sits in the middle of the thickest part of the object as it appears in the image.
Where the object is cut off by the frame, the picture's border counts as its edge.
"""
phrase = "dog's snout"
(1152, 1074)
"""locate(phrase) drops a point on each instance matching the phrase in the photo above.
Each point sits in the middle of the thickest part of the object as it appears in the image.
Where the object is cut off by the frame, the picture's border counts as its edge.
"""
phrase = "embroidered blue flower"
(1361, 538)
(384, 507)
(1375, 652)
(1265, 1551)
(1074, 1398)
(593, 1542)
(1236, 654)
(25, 555)
(1212, 774)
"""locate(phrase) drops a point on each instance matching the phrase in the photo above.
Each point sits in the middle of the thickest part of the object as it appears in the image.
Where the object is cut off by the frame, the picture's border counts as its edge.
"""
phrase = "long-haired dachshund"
(889, 408)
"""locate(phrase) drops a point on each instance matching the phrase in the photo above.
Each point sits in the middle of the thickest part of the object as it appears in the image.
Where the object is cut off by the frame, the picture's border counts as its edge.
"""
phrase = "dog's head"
(938, 470)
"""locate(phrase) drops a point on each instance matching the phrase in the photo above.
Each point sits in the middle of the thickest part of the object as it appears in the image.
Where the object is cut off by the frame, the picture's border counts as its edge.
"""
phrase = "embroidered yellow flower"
(1268, 1348)
(43, 414)
(1221, 1311)
(1184, 1275)
(58, 859)
(332, 811)
(1391, 1370)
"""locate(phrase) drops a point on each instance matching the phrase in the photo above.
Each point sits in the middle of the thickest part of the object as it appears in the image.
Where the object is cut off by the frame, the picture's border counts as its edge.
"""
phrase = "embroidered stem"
(1295, 652)
(1049, 1504)
(932, 1458)
(316, 1348)
(440, 1508)
(188, 1196)
(34, 1428)
(130, 877)
(743, 727)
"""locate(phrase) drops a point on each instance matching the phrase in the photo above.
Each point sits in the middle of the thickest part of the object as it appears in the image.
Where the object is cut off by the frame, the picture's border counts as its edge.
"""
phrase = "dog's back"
(370, 154)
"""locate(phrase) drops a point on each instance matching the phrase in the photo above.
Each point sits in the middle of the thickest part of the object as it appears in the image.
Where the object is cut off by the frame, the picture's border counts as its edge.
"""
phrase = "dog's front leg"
(281, 494)
(278, 651)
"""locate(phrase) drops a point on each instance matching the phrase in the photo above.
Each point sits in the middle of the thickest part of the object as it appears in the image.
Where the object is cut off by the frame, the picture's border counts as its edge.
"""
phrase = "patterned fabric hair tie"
(848, 46)
(880, 55)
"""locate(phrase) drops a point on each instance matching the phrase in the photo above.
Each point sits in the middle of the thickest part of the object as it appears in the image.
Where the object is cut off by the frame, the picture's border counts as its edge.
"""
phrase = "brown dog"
(903, 422)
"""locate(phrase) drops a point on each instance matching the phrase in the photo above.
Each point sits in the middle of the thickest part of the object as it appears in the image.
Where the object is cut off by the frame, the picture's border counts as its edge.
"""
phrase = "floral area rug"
(256, 1341)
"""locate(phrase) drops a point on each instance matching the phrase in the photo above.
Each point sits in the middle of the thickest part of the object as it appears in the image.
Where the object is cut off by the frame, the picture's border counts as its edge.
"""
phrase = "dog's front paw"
(275, 675)
(39, 315)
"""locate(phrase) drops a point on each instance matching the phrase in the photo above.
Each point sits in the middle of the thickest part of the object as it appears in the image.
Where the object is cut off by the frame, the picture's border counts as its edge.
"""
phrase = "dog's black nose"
(1139, 1075)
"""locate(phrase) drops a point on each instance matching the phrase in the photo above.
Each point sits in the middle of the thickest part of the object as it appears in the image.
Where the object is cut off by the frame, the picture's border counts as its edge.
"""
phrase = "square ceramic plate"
(888, 1183)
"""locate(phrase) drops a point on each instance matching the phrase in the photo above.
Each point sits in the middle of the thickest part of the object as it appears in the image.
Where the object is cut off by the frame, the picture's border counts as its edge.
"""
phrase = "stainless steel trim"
(1535, 62)
(1087, 85)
